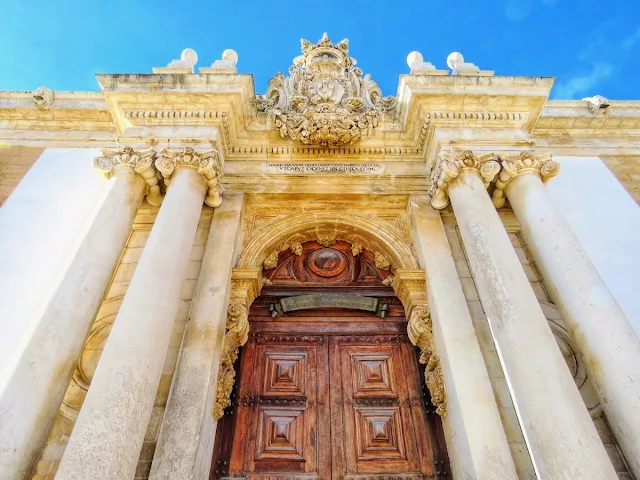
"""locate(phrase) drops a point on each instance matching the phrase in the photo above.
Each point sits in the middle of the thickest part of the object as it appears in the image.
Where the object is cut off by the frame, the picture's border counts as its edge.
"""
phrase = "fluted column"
(472, 425)
(599, 328)
(185, 445)
(560, 435)
(110, 428)
(38, 375)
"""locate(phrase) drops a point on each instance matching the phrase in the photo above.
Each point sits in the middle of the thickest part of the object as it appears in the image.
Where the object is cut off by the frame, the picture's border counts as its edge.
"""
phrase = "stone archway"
(392, 251)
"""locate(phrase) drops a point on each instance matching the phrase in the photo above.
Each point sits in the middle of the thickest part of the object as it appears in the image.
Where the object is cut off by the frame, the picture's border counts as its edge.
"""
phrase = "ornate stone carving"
(325, 100)
(420, 331)
(296, 248)
(271, 261)
(387, 282)
(451, 164)
(43, 97)
(139, 160)
(356, 249)
(526, 162)
(410, 286)
(326, 239)
(236, 335)
(598, 105)
(207, 163)
(381, 261)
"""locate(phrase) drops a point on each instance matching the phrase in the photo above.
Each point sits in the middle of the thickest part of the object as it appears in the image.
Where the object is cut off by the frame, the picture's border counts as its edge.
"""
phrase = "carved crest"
(325, 100)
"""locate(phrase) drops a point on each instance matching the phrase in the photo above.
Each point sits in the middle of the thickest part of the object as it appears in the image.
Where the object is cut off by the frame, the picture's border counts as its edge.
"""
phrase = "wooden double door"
(348, 407)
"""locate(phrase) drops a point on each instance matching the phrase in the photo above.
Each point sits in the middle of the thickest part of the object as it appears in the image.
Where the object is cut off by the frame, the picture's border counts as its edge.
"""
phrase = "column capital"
(141, 161)
(524, 163)
(451, 164)
(207, 163)
(420, 331)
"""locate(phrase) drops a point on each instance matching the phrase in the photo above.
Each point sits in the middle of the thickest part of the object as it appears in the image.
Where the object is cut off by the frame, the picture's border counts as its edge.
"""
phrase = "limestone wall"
(51, 455)
(627, 171)
(503, 398)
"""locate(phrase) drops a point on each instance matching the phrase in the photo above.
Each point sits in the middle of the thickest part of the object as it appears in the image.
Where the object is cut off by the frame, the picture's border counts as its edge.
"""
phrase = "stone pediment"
(325, 100)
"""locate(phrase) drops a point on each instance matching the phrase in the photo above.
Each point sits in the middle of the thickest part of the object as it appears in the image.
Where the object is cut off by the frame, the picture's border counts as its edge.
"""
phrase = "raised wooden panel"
(372, 375)
(285, 373)
(280, 434)
(379, 434)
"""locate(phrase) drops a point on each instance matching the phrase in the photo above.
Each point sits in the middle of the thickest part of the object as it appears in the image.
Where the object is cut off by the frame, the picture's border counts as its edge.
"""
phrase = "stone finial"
(207, 163)
(598, 105)
(43, 97)
(187, 61)
(419, 67)
(455, 61)
(139, 160)
(225, 65)
(451, 164)
(525, 162)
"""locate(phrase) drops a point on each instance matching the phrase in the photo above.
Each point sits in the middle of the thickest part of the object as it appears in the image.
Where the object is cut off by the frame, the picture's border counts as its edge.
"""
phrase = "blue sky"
(591, 46)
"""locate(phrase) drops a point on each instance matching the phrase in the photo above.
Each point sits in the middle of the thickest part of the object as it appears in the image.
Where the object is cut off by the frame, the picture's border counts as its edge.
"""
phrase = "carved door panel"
(377, 413)
(282, 428)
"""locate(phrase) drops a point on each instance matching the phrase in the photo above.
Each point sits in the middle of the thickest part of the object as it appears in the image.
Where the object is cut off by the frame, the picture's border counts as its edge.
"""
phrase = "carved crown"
(325, 100)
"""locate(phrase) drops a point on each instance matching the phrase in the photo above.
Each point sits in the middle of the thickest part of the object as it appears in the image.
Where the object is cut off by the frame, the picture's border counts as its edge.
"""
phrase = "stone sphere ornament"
(414, 57)
(189, 56)
(230, 55)
(454, 59)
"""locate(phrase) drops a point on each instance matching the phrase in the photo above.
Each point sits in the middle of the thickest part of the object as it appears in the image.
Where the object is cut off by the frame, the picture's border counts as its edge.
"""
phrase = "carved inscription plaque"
(305, 302)
(326, 168)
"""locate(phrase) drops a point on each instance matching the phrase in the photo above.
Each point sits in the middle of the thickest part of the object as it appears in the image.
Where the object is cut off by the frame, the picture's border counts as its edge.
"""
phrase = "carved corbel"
(420, 331)
(451, 164)
(410, 287)
(246, 284)
(237, 334)
(271, 261)
(327, 239)
(207, 163)
(141, 161)
(381, 261)
(524, 163)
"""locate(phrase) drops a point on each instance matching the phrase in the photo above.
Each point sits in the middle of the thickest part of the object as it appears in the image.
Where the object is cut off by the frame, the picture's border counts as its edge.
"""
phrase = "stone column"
(599, 328)
(560, 435)
(110, 428)
(185, 445)
(472, 426)
(38, 374)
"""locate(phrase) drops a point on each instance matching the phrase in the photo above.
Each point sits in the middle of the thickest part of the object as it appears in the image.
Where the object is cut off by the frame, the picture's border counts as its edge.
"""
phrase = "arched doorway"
(328, 384)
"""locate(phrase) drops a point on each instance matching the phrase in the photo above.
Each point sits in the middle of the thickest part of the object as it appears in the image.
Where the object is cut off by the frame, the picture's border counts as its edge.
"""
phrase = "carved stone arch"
(380, 236)
(408, 282)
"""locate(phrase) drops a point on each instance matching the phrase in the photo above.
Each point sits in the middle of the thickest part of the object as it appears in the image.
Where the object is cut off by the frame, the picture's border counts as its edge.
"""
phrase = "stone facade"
(510, 224)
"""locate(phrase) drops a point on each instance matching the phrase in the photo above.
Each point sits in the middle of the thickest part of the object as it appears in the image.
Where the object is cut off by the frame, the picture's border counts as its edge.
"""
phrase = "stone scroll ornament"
(141, 161)
(207, 163)
(237, 334)
(525, 162)
(325, 100)
(420, 331)
(451, 164)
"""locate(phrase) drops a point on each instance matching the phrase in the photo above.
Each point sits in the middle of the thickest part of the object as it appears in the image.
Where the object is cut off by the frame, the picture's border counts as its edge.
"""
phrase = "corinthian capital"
(207, 163)
(451, 164)
(141, 161)
(524, 163)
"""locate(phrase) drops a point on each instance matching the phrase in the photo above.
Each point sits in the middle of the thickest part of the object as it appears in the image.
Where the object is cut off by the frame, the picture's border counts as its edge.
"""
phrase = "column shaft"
(560, 435)
(38, 374)
(472, 426)
(599, 328)
(110, 429)
(185, 445)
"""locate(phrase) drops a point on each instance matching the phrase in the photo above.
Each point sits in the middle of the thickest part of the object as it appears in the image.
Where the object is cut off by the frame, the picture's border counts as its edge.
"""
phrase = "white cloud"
(583, 83)
(629, 42)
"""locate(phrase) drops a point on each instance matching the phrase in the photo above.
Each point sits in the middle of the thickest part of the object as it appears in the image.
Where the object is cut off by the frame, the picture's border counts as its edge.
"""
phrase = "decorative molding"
(420, 331)
(381, 261)
(296, 249)
(237, 334)
(271, 261)
(524, 163)
(43, 97)
(325, 100)
(139, 160)
(207, 163)
(410, 286)
(356, 248)
(327, 239)
(451, 164)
